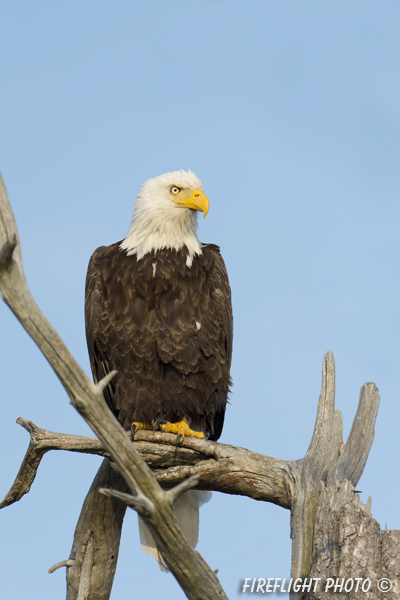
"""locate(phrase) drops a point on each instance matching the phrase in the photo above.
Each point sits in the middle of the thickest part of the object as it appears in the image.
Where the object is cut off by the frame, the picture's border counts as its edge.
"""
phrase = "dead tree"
(333, 533)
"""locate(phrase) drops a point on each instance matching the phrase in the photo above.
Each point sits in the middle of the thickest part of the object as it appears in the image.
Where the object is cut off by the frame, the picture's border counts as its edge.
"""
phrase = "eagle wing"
(220, 292)
(99, 363)
(221, 295)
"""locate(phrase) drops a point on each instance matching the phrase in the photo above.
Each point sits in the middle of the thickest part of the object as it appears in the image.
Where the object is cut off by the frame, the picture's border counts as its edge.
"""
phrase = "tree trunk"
(350, 549)
(97, 538)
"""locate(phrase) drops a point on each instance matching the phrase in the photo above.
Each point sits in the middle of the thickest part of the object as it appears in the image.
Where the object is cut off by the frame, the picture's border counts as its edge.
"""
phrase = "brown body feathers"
(167, 329)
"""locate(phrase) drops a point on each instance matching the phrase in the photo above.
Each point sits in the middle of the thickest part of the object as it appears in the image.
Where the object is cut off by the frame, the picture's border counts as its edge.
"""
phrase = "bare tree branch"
(41, 442)
(62, 563)
(95, 548)
(355, 454)
(177, 491)
(142, 505)
(291, 484)
(217, 467)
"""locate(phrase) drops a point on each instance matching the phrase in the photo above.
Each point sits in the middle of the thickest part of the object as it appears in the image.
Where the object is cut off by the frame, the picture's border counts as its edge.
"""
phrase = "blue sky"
(288, 113)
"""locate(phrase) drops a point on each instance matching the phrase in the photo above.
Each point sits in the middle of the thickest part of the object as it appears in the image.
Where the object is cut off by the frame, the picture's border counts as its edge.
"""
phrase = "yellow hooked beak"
(197, 201)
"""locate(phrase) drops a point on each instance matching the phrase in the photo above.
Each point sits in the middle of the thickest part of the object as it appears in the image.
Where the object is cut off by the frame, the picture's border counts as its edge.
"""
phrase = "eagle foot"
(137, 426)
(181, 429)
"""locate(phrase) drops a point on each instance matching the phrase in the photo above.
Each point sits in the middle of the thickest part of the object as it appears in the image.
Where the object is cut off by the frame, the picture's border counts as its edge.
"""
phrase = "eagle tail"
(186, 510)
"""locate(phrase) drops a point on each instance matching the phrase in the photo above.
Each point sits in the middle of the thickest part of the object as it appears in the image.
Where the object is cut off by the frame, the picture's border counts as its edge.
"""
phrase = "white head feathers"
(160, 221)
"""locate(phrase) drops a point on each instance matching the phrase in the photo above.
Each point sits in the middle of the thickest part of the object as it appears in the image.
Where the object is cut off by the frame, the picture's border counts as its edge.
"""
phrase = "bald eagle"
(158, 311)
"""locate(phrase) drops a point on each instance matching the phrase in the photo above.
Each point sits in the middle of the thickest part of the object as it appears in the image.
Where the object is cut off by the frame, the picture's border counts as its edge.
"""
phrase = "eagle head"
(165, 215)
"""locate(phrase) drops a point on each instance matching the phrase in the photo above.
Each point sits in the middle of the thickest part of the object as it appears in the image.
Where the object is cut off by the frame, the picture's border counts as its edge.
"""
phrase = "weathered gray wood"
(390, 561)
(327, 462)
(349, 545)
(97, 536)
(311, 470)
(292, 484)
(347, 540)
(218, 467)
(352, 461)
(43, 441)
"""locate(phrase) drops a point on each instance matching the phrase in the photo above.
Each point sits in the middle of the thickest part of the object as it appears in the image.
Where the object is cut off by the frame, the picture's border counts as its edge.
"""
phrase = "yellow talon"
(181, 429)
(143, 425)
(137, 426)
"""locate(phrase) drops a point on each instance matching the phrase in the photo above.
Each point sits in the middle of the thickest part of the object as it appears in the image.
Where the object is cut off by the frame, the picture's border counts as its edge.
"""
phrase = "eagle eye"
(174, 189)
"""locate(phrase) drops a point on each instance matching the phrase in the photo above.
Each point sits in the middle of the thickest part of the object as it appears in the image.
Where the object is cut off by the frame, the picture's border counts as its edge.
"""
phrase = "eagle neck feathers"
(156, 226)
